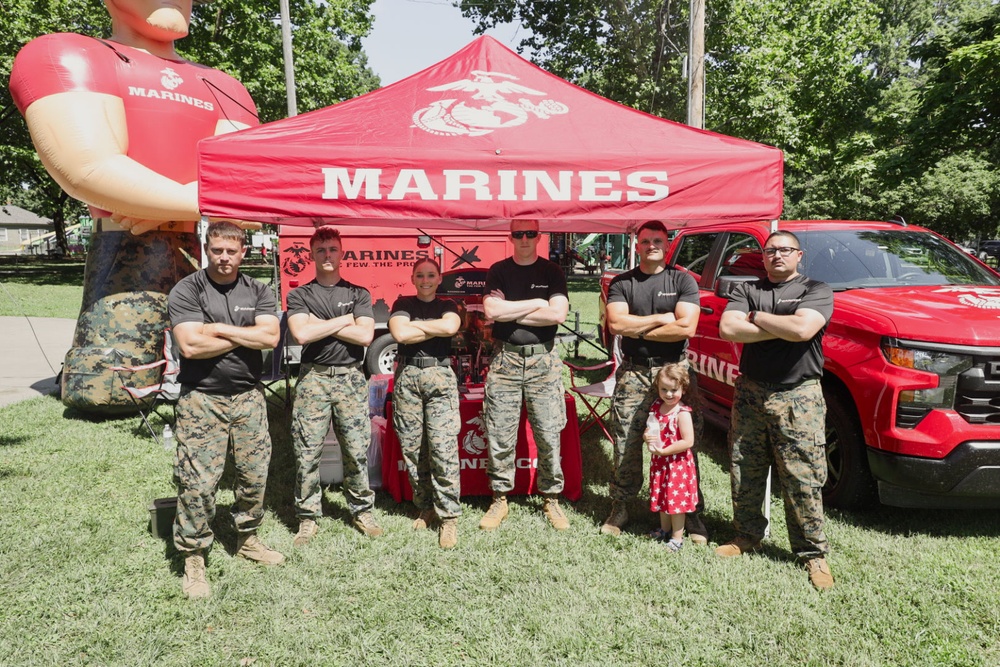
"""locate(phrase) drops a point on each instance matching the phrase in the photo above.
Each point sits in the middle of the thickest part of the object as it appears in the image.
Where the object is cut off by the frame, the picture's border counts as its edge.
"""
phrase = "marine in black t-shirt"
(197, 298)
(780, 361)
(327, 303)
(653, 294)
(416, 310)
(540, 280)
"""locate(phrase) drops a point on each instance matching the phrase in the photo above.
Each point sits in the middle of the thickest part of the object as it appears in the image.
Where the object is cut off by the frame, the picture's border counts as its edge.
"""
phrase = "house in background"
(18, 226)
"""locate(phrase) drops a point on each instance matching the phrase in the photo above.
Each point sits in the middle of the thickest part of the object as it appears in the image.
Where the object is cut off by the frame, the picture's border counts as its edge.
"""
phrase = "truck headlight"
(947, 366)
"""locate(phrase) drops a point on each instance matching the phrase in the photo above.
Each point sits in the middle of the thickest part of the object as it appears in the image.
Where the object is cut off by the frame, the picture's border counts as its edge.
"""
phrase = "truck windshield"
(852, 259)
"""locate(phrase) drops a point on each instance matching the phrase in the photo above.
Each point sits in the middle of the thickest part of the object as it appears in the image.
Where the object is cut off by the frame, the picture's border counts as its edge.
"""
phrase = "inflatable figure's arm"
(85, 152)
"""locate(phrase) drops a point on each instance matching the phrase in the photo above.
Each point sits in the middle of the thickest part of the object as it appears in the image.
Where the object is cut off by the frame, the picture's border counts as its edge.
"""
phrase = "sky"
(411, 35)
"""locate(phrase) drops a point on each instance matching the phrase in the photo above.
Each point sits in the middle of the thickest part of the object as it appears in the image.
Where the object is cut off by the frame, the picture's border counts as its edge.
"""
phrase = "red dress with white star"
(673, 480)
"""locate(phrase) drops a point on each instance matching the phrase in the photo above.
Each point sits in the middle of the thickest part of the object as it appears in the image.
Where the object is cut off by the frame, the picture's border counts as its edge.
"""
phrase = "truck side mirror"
(725, 285)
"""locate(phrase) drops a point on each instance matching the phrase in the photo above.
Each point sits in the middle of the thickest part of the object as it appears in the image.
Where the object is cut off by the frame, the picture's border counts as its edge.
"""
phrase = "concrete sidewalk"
(31, 354)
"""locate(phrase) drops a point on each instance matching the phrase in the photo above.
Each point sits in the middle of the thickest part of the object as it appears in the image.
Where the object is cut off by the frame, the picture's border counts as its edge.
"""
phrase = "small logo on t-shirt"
(341, 304)
(237, 309)
(534, 286)
(789, 300)
(666, 294)
(170, 79)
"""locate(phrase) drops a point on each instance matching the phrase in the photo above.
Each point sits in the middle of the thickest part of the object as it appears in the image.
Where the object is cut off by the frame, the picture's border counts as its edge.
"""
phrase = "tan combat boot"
(195, 584)
(307, 531)
(448, 533)
(696, 530)
(616, 520)
(554, 513)
(495, 514)
(365, 522)
(249, 546)
(819, 574)
(737, 546)
(426, 518)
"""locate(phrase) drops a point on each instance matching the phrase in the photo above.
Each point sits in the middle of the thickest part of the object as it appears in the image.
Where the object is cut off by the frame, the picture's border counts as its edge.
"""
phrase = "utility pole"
(286, 49)
(696, 65)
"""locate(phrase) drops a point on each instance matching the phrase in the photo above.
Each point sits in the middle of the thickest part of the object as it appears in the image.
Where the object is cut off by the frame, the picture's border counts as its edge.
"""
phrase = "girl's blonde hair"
(677, 372)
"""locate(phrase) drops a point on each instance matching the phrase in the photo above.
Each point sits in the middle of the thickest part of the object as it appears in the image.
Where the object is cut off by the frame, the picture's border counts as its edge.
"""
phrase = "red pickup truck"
(912, 371)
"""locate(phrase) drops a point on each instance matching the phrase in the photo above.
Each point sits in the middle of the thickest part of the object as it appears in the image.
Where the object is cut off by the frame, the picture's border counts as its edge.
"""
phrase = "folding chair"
(597, 396)
(166, 391)
(277, 372)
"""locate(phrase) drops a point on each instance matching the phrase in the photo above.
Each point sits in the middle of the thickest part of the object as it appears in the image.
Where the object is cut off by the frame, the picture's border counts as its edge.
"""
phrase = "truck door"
(693, 255)
(718, 360)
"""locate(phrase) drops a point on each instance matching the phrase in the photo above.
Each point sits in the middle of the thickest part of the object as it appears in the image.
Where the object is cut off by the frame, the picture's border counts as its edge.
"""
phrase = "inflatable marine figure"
(116, 122)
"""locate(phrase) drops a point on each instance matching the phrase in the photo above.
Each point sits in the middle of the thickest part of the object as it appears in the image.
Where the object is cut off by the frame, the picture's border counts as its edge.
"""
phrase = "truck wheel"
(381, 356)
(849, 482)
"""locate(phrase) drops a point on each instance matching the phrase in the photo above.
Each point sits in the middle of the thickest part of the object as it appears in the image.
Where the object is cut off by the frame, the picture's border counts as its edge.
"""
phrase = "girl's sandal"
(660, 535)
(674, 545)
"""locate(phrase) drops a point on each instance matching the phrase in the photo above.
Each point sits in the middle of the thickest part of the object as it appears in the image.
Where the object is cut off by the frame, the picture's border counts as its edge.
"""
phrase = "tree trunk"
(59, 224)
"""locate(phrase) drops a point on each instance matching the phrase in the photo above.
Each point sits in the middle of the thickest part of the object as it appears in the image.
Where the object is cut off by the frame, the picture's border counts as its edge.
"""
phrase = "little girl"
(673, 479)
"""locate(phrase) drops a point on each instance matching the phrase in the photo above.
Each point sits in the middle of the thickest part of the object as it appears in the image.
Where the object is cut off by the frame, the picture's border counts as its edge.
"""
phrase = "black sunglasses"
(530, 233)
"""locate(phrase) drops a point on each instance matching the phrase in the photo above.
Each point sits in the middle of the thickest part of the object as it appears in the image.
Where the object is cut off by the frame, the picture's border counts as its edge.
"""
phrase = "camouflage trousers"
(782, 427)
(426, 419)
(207, 426)
(123, 315)
(324, 394)
(633, 397)
(535, 381)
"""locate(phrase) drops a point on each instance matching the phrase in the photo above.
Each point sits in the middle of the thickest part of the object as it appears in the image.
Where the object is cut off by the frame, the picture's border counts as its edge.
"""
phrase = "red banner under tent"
(479, 139)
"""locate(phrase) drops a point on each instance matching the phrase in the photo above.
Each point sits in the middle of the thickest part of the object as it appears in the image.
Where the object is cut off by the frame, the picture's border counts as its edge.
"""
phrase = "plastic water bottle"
(652, 424)
(167, 438)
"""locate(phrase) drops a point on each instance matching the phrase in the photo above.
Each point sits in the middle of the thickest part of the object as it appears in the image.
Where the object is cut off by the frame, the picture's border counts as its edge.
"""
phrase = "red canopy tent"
(476, 140)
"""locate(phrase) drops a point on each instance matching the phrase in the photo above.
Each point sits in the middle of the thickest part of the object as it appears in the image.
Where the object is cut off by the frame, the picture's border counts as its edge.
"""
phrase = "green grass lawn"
(84, 583)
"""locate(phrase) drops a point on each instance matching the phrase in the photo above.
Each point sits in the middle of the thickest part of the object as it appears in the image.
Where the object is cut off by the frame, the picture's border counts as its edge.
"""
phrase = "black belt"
(425, 362)
(650, 362)
(781, 386)
(323, 369)
(529, 350)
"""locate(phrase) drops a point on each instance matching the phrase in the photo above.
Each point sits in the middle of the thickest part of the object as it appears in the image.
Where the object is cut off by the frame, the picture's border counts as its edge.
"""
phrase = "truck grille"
(977, 395)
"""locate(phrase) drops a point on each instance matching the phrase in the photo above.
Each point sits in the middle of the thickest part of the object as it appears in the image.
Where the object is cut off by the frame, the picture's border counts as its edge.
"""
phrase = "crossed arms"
(408, 332)
(799, 327)
(529, 312)
(678, 325)
(198, 340)
(307, 328)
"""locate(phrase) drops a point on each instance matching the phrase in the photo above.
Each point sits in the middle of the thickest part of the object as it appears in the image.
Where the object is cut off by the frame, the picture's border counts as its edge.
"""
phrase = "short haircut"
(652, 225)
(228, 231)
(427, 260)
(325, 233)
(795, 238)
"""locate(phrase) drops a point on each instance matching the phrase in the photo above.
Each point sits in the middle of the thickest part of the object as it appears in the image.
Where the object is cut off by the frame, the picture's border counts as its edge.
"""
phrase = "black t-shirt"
(197, 299)
(415, 310)
(782, 361)
(327, 303)
(654, 294)
(541, 279)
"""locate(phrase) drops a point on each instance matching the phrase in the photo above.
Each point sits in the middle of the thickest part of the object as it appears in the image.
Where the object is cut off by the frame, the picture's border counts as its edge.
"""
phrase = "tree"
(242, 38)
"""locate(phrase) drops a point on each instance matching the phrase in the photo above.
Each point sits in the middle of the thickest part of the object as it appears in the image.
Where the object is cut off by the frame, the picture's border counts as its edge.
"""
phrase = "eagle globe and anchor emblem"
(452, 117)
